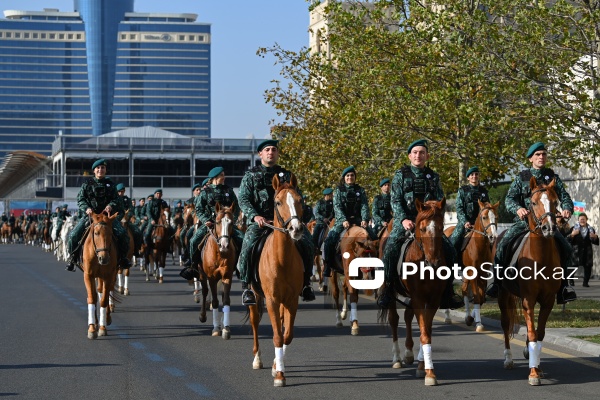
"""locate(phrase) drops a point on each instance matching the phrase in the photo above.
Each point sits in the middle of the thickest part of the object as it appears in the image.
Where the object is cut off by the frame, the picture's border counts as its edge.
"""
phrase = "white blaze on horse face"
(224, 241)
(166, 215)
(546, 203)
(492, 218)
(431, 227)
(291, 204)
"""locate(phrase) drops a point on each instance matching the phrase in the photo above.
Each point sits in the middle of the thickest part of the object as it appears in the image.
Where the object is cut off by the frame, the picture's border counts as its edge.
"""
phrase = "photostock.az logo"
(365, 262)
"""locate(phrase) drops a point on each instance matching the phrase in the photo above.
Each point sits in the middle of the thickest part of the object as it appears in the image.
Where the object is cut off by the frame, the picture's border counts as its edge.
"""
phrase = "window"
(52, 36)
(132, 37)
(181, 38)
(34, 35)
(70, 36)
(42, 36)
(17, 35)
(61, 36)
(201, 38)
(123, 36)
(79, 36)
(191, 38)
(1, 34)
(8, 34)
(26, 35)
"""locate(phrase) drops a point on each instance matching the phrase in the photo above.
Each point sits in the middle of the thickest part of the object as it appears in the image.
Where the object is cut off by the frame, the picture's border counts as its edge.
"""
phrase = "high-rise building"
(99, 69)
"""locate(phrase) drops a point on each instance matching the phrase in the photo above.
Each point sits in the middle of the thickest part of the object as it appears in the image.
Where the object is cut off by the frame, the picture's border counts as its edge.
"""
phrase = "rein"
(540, 220)
(97, 250)
(419, 243)
(485, 227)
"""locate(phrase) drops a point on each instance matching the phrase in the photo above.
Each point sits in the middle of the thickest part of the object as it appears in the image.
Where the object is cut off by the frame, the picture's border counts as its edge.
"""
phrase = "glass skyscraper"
(99, 69)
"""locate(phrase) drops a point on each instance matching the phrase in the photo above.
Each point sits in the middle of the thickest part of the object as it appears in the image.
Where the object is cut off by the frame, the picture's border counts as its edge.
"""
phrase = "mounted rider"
(154, 209)
(381, 208)
(188, 231)
(125, 212)
(351, 207)
(257, 202)
(323, 215)
(97, 195)
(216, 191)
(411, 182)
(467, 207)
(518, 201)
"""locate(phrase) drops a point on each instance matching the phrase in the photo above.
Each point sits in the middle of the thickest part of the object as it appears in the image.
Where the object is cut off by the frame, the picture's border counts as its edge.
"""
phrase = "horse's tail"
(513, 310)
(382, 315)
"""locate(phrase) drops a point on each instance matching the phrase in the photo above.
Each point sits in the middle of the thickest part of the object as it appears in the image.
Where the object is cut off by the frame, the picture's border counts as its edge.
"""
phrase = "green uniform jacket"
(343, 197)
(205, 203)
(324, 210)
(467, 207)
(97, 194)
(403, 201)
(382, 208)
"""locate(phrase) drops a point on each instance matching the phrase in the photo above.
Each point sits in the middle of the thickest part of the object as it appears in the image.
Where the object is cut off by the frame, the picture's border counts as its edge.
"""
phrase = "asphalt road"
(156, 348)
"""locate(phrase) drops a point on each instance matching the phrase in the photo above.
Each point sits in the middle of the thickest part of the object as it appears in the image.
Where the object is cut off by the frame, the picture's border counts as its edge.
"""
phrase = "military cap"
(158, 191)
(178, 201)
(535, 147)
(474, 168)
(99, 162)
(420, 142)
(327, 191)
(215, 172)
(197, 185)
(348, 170)
(204, 182)
(383, 182)
(151, 196)
(65, 206)
(120, 186)
(132, 199)
(265, 143)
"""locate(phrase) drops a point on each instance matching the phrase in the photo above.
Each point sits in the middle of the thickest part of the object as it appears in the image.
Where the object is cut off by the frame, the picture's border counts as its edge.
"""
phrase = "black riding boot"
(248, 297)
(450, 299)
(565, 293)
(308, 293)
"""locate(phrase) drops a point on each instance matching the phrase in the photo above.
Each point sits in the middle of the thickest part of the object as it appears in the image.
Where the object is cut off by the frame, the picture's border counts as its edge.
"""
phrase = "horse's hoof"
(409, 359)
(535, 381)
(339, 325)
(126, 292)
(216, 332)
(469, 320)
(202, 318)
(279, 382)
(226, 334)
(526, 353)
(420, 373)
(92, 335)
(480, 328)
(102, 331)
(429, 381)
(160, 280)
(120, 289)
(344, 315)
(354, 331)
(509, 365)
(397, 365)
(147, 279)
(257, 365)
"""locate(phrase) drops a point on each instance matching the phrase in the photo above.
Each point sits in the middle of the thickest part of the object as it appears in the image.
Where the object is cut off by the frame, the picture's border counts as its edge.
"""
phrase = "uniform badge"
(357, 194)
(281, 174)
(227, 194)
(428, 176)
(546, 177)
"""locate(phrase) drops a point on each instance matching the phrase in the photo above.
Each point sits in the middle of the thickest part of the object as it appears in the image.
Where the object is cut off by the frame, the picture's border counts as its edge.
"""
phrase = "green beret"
(178, 202)
(151, 196)
(420, 142)
(197, 185)
(204, 182)
(535, 147)
(215, 172)
(383, 182)
(268, 142)
(471, 170)
(120, 186)
(348, 170)
(132, 199)
(158, 191)
(65, 206)
(327, 191)
(99, 162)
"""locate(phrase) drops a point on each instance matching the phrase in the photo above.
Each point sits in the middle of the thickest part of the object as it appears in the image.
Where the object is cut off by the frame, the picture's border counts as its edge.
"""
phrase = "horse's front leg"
(393, 319)
(204, 296)
(353, 305)
(425, 367)
(409, 356)
(276, 314)
(335, 294)
(212, 282)
(254, 321)
(507, 309)
(92, 298)
(226, 307)
(534, 347)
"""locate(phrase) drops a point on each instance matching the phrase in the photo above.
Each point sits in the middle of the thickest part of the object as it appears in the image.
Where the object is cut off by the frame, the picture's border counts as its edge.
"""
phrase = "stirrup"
(308, 293)
(248, 298)
(565, 296)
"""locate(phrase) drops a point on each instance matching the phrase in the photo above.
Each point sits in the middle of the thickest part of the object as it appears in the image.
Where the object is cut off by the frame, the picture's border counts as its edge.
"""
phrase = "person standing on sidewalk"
(582, 237)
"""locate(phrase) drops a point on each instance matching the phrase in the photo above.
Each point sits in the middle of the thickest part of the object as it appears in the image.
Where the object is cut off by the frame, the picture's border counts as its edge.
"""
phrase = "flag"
(578, 207)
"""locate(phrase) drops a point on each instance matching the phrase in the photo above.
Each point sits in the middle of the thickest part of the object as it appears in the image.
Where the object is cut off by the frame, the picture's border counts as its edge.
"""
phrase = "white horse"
(65, 231)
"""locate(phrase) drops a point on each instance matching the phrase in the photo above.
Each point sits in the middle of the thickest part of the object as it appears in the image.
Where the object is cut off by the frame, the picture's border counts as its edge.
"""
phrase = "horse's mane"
(428, 211)
(285, 185)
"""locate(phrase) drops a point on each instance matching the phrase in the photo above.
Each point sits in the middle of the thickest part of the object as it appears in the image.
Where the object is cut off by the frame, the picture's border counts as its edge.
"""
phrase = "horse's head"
(224, 226)
(188, 214)
(542, 208)
(288, 207)
(429, 229)
(101, 232)
(486, 220)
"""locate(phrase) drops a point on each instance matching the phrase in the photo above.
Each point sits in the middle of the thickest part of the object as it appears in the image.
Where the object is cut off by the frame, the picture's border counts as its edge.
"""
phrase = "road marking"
(174, 371)
(200, 389)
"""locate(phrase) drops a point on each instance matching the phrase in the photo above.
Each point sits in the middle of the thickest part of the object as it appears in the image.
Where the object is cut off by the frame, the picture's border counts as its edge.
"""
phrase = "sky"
(239, 28)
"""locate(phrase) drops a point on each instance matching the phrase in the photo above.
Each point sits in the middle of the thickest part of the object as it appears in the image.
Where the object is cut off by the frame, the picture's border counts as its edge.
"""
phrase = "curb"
(553, 338)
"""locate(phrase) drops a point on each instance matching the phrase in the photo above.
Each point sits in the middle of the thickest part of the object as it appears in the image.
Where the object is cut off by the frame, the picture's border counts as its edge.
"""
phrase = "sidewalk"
(564, 337)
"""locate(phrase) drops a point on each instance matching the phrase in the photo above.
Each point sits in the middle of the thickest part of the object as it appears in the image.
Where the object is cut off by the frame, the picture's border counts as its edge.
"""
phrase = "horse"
(7, 232)
(46, 234)
(477, 254)
(426, 293)
(281, 272)
(539, 254)
(123, 275)
(190, 221)
(318, 253)
(178, 226)
(219, 258)
(31, 234)
(157, 253)
(355, 243)
(99, 263)
(65, 231)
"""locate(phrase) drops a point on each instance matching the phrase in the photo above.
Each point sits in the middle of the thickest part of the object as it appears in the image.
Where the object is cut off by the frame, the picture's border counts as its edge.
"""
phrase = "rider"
(416, 181)
(188, 231)
(12, 220)
(323, 215)
(257, 201)
(140, 210)
(62, 215)
(467, 207)
(3, 219)
(178, 208)
(126, 213)
(351, 207)
(307, 212)
(215, 192)
(97, 195)
(154, 211)
(381, 208)
(518, 201)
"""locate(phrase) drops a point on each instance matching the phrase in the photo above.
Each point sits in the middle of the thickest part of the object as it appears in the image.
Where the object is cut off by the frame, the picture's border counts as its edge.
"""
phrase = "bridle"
(283, 223)
(96, 249)
(540, 220)
(485, 227)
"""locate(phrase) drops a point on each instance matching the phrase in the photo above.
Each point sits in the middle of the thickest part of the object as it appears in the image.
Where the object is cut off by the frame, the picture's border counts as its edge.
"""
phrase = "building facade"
(99, 69)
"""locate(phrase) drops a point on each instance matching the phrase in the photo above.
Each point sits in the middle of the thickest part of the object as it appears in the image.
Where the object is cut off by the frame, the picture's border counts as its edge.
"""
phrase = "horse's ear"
(481, 205)
(532, 183)
(275, 182)
(232, 206)
(418, 205)
(496, 205)
(443, 203)
(552, 183)
(293, 181)
(217, 207)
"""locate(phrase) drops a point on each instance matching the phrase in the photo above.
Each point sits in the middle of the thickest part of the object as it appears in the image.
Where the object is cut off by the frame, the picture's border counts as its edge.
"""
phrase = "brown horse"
(355, 243)
(31, 234)
(477, 254)
(99, 262)
(540, 253)
(218, 264)
(157, 253)
(281, 276)
(123, 275)
(7, 232)
(425, 293)
(178, 222)
(47, 234)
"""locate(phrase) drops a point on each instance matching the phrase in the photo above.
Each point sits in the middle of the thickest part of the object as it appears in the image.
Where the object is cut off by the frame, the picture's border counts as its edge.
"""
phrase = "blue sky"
(239, 28)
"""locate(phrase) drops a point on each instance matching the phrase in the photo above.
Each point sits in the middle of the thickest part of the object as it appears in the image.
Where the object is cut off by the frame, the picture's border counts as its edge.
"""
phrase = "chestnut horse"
(540, 252)
(478, 254)
(157, 253)
(219, 258)
(7, 232)
(123, 275)
(355, 243)
(426, 293)
(319, 251)
(281, 272)
(47, 234)
(190, 221)
(99, 262)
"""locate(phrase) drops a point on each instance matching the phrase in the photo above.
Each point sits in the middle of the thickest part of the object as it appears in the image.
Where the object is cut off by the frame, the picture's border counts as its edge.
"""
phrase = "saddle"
(465, 242)
(255, 253)
(511, 257)
(400, 287)
(336, 265)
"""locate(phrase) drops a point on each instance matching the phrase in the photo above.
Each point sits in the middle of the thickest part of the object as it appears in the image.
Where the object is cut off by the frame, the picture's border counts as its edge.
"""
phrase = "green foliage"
(498, 193)
(480, 80)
